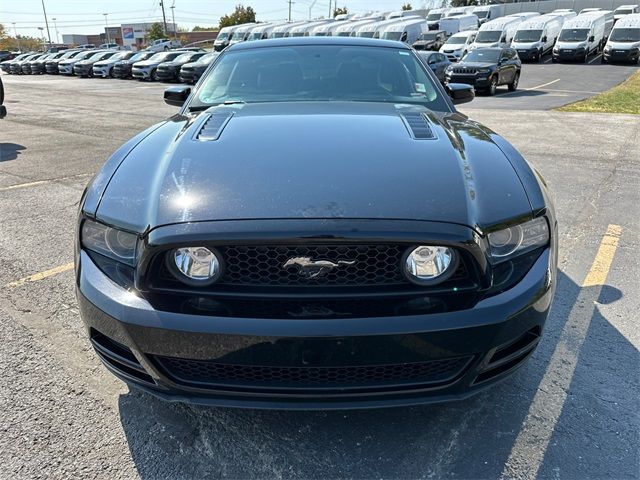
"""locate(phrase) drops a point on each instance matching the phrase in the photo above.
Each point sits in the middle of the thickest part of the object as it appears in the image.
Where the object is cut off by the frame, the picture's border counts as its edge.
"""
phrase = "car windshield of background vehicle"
(456, 40)
(623, 12)
(481, 14)
(208, 58)
(527, 36)
(160, 57)
(625, 35)
(138, 56)
(392, 35)
(428, 36)
(434, 16)
(319, 73)
(487, 36)
(575, 35)
(480, 55)
(185, 57)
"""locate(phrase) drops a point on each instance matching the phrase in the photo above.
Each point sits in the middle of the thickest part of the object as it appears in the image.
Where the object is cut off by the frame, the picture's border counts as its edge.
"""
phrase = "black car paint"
(437, 62)
(434, 45)
(289, 185)
(170, 71)
(503, 72)
(122, 69)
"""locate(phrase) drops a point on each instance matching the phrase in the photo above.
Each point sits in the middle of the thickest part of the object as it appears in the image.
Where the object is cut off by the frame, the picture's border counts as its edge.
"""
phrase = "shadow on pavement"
(10, 151)
(468, 439)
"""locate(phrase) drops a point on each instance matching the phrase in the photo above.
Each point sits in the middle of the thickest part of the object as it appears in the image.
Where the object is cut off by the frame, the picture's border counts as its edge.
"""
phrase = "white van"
(327, 29)
(372, 30)
(348, 29)
(457, 45)
(525, 15)
(263, 30)
(462, 23)
(580, 37)
(224, 36)
(623, 10)
(589, 10)
(486, 13)
(283, 30)
(624, 42)
(496, 33)
(303, 29)
(535, 37)
(241, 33)
(454, 12)
(407, 31)
(433, 19)
(567, 13)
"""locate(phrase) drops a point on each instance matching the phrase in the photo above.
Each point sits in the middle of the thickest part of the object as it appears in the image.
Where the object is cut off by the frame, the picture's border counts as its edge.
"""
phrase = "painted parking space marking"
(41, 275)
(43, 182)
(528, 89)
(595, 58)
(529, 448)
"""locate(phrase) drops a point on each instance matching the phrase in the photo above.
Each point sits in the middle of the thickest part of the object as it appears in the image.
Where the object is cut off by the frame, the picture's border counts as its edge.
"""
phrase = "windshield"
(85, 55)
(223, 36)
(488, 36)
(254, 36)
(366, 34)
(434, 16)
(277, 34)
(392, 35)
(428, 36)
(625, 35)
(574, 35)
(527, 36)
(456, 40)
(162, 57)
(208, 58)
(97, 56)
(319, 73)
(185, 57)
(623, 11)
(481, 13)
(482, 55)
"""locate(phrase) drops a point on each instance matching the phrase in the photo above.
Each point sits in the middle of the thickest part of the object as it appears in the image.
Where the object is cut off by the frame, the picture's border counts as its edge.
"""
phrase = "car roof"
(299, 41)
(629, 21)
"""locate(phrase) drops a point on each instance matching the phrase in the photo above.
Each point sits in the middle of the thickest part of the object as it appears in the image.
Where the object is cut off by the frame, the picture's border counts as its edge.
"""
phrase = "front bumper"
(65, 69)
(83, 70)
(141, 74)
(314, 363)
(121, 72)
(529, 54)
(167, 75)
(101, 71)
(564, 54)
(453, 55)
(478, 81)
(618, 55)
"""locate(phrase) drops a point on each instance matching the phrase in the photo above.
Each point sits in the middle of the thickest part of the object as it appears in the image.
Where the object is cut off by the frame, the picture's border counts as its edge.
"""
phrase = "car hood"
(171, 64)
(476, 64)
(195, 65)
(311, 160)
(623, 45)
(146, 63)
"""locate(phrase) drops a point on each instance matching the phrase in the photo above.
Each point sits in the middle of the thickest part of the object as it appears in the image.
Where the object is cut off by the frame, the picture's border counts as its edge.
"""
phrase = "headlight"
(556, 49)
(607, 49)
(427, 265)
(195, 265)
(519, 239)
(484, 70)
(110, 242)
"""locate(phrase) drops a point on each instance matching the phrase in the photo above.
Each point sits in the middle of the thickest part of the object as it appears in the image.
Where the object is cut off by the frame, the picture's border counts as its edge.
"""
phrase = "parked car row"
(185, 65)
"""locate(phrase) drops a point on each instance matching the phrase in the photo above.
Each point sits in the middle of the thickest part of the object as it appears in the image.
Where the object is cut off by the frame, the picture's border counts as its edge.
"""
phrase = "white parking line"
(572, 91)
(548, 60)
(529, 89)
(595, 58)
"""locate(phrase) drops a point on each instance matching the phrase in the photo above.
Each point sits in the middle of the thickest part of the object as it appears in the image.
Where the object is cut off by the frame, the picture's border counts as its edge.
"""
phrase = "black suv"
(3, 110)
(486, 69)
(432, 40)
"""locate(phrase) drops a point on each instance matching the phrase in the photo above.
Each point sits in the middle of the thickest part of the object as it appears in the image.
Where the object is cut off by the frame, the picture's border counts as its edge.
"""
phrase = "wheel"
(539, 58)
(493, 86)
(154, 75)
(602, 60)
(166, 49)
(110, 73)
(586, 57)
(514, 85)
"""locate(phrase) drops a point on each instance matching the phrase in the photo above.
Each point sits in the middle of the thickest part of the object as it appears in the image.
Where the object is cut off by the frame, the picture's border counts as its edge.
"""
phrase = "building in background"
(134, 34)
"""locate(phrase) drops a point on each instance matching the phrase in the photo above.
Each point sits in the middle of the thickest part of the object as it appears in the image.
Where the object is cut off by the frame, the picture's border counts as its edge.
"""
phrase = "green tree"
(198, 28)
(155, 32)
(240, 15)
(463, 3)
(407, 6)
(340, 11)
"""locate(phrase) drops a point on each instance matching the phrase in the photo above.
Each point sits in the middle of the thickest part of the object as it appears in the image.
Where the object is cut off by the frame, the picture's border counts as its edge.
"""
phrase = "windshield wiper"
(233, 102)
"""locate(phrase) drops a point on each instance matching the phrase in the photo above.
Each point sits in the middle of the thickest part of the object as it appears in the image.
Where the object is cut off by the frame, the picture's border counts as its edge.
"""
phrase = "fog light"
(195, 265)
(430, 264)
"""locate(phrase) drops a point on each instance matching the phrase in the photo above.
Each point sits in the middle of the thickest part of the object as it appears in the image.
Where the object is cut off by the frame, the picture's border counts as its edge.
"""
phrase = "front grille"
(211, 373)
(264, 265)
(464, 70)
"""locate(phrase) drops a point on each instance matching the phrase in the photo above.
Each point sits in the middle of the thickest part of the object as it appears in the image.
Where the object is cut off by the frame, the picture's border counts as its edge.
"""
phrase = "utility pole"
(173, 17)
(329, 9)
(106, 24)
(290, 2)
(164, 18)
(55, 28)
(46, 22)
(311, 7)
(15, 31)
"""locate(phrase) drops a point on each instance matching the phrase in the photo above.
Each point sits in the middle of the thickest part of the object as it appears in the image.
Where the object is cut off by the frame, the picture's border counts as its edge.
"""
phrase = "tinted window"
(527, 36)
(625, 35)
(319, 73)
(574, 35)
(488, 36)
(482, 55)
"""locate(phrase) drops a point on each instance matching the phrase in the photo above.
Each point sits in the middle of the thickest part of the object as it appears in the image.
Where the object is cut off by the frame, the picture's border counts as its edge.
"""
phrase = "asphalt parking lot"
(570, 412)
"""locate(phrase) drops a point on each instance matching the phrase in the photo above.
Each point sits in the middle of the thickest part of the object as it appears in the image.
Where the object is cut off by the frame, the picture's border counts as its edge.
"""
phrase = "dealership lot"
(571, 412)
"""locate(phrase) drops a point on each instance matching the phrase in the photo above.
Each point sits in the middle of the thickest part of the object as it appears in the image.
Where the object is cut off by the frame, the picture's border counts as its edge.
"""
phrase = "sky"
(86, 16)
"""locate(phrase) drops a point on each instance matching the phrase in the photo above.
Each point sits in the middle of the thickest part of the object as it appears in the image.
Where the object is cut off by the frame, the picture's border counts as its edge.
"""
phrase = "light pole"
(106, 24)
(173, 18)
(46, 22)
(311, 7)
(55, 27)
(15, 31)
(44, 40)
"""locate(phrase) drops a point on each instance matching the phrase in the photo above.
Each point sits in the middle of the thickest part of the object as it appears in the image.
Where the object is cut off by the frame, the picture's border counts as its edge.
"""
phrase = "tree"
(463, 3)
(407, 6)
(155, 32)
(240, 15)
(340, 11)
(198, 28)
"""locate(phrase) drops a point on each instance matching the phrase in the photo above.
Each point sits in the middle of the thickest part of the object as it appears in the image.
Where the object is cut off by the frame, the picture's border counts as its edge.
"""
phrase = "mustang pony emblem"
(308, 268)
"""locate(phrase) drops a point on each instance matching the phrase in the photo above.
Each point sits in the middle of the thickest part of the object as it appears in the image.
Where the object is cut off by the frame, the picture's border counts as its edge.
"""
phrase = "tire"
(602, 60)
(166, 49)
(491, 91)
(513, 86)
(586, 57)
(154, 75)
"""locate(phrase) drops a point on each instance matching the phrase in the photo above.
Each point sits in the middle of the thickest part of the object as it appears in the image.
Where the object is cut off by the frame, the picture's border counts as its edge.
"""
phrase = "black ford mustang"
(316, 228)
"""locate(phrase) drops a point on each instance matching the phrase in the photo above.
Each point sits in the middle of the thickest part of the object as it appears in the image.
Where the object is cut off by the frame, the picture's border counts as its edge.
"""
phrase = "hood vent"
(418, 126)
(213, 126)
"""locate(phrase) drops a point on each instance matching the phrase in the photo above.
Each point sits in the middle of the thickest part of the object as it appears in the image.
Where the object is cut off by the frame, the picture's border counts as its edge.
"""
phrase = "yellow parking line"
(529, 449)
(41, 275)
(602, 263)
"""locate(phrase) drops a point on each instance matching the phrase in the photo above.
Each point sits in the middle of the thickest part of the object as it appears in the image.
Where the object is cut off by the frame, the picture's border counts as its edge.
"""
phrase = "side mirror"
(543, 39)
(592, 38)
(176, 96)
(3, 111)
(503, 39)
(460, 92)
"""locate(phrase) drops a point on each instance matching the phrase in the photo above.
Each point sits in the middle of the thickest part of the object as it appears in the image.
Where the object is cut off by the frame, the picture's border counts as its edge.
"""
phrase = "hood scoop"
(418, 126)
(213, 126)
